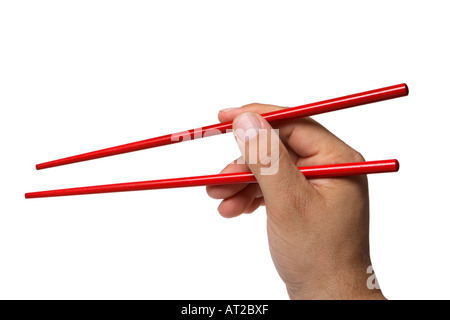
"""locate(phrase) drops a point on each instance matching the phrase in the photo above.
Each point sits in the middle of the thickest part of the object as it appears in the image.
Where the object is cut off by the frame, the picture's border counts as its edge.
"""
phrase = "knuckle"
(252, 105)
(260, 107)
(348, 154)
(210, 192)
(358, 157)
(213, 192)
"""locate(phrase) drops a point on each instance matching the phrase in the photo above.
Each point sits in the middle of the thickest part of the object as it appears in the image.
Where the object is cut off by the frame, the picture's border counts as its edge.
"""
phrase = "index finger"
(305, 136)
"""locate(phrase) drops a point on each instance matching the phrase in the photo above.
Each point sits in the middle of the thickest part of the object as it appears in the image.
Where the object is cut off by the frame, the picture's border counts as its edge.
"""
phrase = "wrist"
(355, 284)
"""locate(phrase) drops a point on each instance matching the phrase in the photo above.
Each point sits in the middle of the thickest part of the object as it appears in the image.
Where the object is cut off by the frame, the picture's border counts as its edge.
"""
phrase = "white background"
(76, 76)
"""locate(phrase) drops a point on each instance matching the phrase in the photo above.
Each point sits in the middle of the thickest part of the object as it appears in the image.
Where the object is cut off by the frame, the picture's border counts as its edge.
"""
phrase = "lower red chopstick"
(324, 171)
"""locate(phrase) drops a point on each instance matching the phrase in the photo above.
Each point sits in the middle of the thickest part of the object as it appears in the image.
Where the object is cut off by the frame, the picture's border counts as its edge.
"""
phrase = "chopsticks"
(312, 172)
(324, 171)
(285, 114)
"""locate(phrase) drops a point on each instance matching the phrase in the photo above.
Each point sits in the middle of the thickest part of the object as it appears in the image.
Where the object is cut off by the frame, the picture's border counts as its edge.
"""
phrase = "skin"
(318, 229)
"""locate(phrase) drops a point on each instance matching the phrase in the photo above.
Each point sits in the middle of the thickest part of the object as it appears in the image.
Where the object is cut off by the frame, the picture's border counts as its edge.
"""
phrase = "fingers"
(226, 191)
(229, 114)
(269, 160)
(316, 145)
(257, 202)
(307, 143)
(305, 136)
(243, 201)
(238, 198)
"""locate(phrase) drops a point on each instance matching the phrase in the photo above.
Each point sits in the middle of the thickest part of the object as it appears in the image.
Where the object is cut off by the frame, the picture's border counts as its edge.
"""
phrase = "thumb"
(268, 159)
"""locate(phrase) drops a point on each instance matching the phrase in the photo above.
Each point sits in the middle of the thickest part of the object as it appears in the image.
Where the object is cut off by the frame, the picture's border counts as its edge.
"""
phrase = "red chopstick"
(289, 113)
(324, 171)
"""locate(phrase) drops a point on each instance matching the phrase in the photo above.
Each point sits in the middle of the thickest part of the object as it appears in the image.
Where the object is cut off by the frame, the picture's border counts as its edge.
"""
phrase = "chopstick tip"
(41, 166)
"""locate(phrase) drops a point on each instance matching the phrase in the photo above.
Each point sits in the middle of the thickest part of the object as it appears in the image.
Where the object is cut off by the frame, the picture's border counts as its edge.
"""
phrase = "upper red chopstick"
(324, 171)
(353, 100)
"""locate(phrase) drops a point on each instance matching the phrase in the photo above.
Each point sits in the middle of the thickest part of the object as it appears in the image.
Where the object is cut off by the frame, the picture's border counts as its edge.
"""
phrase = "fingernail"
(246, 126)
(228, 109)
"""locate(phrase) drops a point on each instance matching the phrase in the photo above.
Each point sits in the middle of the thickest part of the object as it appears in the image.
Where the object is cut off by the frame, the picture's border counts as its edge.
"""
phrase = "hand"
(318, 229)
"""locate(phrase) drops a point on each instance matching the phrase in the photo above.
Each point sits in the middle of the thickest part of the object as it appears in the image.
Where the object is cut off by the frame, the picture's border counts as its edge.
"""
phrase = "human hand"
(318, 229)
